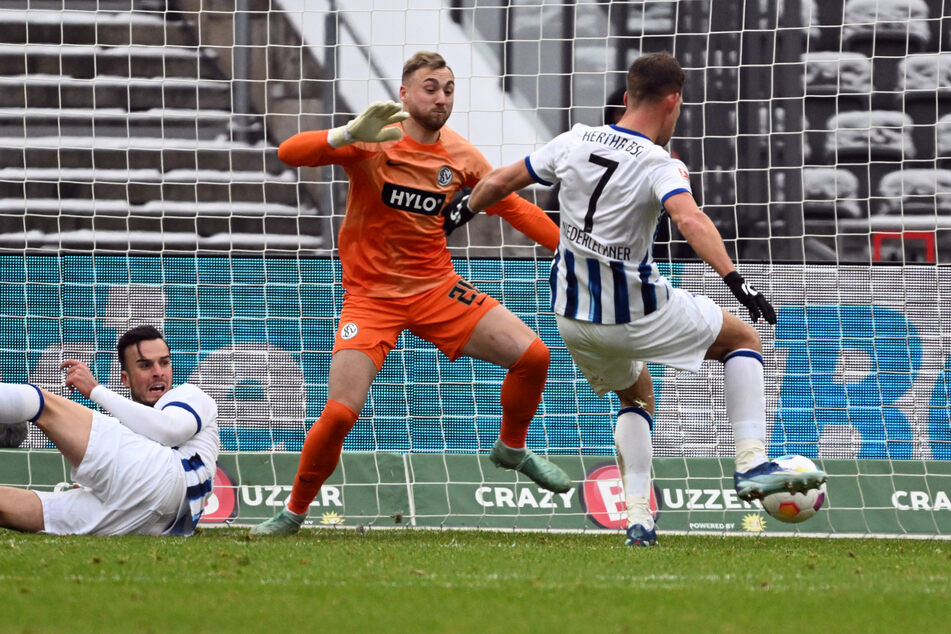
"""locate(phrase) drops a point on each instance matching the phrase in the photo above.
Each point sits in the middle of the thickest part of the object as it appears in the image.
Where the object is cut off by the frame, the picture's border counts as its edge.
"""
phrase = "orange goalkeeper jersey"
(391, 242)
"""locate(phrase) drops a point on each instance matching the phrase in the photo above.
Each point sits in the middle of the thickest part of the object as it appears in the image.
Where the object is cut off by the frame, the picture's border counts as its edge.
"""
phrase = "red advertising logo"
(602, 497)
(223, 503)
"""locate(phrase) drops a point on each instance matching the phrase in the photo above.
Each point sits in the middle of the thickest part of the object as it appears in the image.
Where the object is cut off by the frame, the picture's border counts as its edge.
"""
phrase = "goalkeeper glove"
(457, 213)
(368, 126)
(751, 298)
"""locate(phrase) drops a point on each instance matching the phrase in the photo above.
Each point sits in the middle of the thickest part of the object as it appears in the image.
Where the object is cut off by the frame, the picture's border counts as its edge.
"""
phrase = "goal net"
(141, 185)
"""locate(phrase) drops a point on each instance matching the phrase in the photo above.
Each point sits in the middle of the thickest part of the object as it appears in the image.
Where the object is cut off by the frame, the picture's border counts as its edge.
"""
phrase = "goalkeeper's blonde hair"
(423, 59)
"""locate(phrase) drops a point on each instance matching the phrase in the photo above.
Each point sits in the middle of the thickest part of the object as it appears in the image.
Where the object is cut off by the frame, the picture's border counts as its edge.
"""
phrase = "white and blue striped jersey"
(614, 183)
(199, 454)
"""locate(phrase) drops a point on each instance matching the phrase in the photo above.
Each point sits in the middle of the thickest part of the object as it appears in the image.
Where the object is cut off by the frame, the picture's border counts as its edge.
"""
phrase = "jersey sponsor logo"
(444, 177)
(417, 201)
(602, 497)
(683, 173)
(349, 330)
(222, 506)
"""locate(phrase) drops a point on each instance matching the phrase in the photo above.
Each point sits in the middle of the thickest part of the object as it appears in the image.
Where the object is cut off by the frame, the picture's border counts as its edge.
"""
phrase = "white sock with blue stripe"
(746, 406)
(19, 402)
(632, 437)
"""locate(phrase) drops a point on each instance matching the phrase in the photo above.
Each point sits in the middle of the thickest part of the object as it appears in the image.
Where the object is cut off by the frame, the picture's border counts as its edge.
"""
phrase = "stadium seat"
(942, 133)
(923, 74)
(119, 132)
(925, 84)
(886, 27)
(828, 194)
(651, 18)
(833, 82)
(837, 73)
(924, 192)
(874, 135)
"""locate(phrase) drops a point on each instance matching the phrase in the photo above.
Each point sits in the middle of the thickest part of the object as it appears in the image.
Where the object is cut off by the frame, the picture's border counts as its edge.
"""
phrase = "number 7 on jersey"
(609, 167)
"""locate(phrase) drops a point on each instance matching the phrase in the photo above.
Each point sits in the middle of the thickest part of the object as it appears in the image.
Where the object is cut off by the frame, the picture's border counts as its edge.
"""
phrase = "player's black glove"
(456, 212)
(751, 298)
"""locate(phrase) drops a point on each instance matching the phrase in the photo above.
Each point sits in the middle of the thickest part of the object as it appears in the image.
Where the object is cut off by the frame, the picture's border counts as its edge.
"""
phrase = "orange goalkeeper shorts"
(445, 316)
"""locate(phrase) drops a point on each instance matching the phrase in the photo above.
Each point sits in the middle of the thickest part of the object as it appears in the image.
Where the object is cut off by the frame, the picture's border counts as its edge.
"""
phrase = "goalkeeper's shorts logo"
(444, 177)
(349, 330)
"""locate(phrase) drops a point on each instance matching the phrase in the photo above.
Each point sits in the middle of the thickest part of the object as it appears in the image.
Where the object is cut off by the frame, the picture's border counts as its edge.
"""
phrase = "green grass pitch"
(344, 580)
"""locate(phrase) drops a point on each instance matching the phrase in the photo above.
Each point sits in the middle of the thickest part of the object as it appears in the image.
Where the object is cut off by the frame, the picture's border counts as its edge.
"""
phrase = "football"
(795, 507)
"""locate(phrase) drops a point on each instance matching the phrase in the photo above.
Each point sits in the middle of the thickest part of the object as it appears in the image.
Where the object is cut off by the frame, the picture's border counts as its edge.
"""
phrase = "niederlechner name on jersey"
(614, 141)
(579, 237)
(417, 201)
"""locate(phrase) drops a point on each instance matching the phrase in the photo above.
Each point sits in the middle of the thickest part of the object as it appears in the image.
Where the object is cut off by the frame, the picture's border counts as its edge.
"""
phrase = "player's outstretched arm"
(702, 235)
(370, 125)
(171, 426)
(492, 188)
(498, 184)
(495, 194)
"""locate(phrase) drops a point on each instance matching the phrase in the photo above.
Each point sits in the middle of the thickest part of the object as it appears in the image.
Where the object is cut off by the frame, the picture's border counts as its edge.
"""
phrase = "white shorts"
(129, 484)
(612, 356)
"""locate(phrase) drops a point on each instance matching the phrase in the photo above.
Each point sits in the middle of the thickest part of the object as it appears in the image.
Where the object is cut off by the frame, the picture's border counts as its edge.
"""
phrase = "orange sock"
(320, 454)
(522, 392)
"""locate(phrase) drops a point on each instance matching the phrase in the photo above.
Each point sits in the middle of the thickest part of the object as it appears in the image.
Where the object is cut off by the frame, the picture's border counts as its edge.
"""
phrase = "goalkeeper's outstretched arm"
(323, 147)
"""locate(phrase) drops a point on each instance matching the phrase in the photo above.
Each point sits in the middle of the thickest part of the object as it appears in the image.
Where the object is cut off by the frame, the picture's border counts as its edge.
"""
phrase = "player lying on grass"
(147, 469)
(403, 166)
(616, 312)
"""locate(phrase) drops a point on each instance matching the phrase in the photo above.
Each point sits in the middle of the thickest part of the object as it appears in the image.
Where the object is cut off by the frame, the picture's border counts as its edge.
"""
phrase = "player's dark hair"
(132, 337)
(423, 59)
(652, 77)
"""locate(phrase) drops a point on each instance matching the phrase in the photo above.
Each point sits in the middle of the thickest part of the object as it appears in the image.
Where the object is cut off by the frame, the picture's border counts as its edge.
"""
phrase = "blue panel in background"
(816, 394)
(259, 332)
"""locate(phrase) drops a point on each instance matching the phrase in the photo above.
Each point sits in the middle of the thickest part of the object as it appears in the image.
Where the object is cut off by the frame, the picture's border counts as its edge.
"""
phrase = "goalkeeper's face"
(148, 371)
(428, 95)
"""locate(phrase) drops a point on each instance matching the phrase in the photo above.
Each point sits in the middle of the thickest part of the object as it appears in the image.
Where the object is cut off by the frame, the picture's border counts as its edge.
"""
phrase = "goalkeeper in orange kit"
(403, 167)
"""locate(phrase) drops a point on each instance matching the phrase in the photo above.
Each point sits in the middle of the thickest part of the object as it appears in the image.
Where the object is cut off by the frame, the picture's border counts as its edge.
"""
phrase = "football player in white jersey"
(147, 469)
(614, 309)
